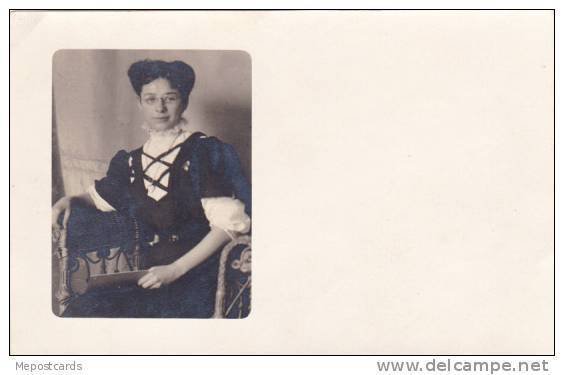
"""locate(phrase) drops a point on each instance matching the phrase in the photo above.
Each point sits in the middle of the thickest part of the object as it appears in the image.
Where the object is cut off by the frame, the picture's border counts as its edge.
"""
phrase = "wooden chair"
(76, 267)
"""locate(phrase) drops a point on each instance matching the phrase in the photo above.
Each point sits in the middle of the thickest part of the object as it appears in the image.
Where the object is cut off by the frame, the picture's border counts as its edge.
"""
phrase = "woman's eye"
(149, 100)
(170, 99)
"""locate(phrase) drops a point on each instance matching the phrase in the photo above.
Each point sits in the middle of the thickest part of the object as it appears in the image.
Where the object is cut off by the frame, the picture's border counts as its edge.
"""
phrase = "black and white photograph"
(151, 183)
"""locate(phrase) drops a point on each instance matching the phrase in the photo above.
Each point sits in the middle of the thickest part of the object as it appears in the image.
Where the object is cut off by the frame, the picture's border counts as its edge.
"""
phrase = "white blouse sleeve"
(99, 202)
(228, 214)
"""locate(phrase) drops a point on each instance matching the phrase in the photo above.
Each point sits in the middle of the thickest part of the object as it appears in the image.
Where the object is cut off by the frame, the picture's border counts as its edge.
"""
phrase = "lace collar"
(182, 126)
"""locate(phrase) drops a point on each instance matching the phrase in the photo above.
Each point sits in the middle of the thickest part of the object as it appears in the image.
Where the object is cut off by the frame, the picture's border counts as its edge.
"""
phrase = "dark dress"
(203, 168)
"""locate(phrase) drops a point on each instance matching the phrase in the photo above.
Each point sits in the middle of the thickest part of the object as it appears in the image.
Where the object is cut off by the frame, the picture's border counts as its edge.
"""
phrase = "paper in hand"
(114, 280)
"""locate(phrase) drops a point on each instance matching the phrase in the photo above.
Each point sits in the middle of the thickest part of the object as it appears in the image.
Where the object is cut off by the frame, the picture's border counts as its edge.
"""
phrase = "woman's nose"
(161, 107)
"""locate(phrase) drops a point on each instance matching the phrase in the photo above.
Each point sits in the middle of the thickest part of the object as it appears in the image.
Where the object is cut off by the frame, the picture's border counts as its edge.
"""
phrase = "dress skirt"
(190, 296)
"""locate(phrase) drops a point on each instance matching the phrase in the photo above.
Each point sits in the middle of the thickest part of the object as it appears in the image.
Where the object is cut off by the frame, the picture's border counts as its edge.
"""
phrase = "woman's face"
(161, 104)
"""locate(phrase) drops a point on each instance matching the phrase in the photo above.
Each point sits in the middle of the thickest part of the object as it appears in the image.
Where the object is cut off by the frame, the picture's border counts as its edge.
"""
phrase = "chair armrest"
(82, 247)
(64, 292)
(242, 265)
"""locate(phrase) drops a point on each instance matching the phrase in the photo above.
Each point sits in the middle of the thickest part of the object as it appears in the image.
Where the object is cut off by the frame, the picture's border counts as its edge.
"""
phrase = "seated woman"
(188, 192)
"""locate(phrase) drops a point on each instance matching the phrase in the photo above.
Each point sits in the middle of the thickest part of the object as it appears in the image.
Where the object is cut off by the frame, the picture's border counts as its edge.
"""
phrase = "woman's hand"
(160, 275)
(163, 275)
(63, 205)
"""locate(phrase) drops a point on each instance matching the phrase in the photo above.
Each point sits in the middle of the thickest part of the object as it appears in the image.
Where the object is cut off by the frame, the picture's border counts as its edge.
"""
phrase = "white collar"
(182, 126)
(160, 141)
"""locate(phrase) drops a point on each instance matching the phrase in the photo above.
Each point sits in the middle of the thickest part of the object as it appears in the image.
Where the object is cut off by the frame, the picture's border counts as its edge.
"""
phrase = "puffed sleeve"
(228, 214)
(111, 192)
(227, 196)
(235, 178)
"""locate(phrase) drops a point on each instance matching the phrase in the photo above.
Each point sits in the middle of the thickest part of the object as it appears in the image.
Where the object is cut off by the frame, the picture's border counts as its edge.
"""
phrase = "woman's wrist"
(181, 266)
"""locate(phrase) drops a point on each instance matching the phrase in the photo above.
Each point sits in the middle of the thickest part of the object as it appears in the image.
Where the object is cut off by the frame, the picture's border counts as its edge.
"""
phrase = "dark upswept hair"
(180, 75)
